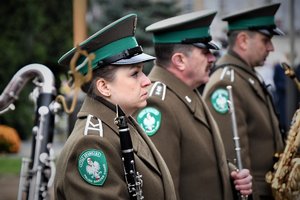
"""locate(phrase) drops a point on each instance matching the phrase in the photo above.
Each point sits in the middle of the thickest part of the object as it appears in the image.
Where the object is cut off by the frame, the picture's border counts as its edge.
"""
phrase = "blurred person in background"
(249, 37)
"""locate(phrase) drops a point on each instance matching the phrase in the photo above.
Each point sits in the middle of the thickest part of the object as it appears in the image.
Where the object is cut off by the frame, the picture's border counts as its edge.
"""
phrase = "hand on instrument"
(242, 181)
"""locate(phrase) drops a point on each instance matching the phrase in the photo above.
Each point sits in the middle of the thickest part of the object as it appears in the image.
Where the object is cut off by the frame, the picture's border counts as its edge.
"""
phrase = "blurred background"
(36, 31)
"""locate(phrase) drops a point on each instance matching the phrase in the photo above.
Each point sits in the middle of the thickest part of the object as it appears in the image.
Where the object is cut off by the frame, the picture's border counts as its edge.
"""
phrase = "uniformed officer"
(90, 164)
(176, 118)
(249, 36)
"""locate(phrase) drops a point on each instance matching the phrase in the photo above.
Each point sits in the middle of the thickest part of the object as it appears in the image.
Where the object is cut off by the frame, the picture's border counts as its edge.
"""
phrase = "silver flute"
(236, 137)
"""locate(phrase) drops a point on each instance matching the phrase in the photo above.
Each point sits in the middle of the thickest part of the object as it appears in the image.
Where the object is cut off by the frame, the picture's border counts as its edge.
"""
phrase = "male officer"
(249, 36)
(176, 118)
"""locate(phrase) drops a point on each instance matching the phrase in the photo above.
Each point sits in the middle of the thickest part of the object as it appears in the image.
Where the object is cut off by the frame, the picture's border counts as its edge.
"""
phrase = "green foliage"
(10, 165)
(147, 11)
(32, 31)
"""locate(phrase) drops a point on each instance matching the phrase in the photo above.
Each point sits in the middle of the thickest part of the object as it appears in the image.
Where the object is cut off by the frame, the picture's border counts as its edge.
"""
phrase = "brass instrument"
(290, 73)
(285, 180)
(37, 172)
(236, 137)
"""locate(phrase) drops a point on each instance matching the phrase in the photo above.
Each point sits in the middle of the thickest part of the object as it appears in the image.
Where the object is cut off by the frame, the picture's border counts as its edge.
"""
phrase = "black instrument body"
(132, 177)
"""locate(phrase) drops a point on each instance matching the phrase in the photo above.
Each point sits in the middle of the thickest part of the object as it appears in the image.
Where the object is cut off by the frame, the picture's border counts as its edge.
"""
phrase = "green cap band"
(253, 22)
(108, 50)
(179, 36)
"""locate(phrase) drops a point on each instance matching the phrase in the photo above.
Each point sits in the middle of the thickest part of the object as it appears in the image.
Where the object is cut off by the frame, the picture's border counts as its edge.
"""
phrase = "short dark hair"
(164, 52)
(232, 35)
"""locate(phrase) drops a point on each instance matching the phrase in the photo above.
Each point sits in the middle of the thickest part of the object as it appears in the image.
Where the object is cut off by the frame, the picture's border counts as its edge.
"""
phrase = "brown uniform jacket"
(189, 141)
(257, 123)
(157, 181)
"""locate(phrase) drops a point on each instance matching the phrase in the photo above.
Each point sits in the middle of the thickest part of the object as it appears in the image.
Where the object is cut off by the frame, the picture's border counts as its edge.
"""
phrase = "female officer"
(90, 165)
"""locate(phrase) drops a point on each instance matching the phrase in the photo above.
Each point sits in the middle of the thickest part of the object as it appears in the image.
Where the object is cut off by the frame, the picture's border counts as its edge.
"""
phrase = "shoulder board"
(227, 74)
(227, 71)
(158, 89)
(93, 125)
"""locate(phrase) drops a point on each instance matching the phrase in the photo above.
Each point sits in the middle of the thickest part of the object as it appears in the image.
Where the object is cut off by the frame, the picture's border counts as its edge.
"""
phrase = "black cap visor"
(208, 45)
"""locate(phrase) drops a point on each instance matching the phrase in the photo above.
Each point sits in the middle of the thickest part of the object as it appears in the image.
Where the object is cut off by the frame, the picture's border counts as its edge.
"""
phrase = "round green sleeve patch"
(92, 166)
(149, 119)
(219, 100)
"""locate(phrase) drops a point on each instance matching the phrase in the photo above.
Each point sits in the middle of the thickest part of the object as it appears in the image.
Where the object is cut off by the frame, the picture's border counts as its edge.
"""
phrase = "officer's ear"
(178, 60)
(242, 40)
(102, 87)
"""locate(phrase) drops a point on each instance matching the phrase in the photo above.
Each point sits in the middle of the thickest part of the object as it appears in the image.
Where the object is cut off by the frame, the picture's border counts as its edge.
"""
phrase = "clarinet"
(236, 137)
(132, 177)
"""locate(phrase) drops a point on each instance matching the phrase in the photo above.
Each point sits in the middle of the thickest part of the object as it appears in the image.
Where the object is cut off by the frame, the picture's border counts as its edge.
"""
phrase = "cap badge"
(219, 100)
(149, 119)
(92, 167)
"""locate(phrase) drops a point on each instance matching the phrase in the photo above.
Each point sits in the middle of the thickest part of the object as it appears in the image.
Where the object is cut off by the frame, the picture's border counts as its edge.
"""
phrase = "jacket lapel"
(141, 145)
(219, 149)
(254, 82)
(246, 73)
(160, 167)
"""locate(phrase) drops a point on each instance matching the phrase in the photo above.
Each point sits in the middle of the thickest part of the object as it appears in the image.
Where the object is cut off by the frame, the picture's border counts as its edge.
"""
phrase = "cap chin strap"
(267, 30)
(123, 55)
(204, 43)
(196, 40)
(268, 27)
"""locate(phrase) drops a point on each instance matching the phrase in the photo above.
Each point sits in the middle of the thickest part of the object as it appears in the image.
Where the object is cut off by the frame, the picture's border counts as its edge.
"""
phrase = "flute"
(236, 137)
